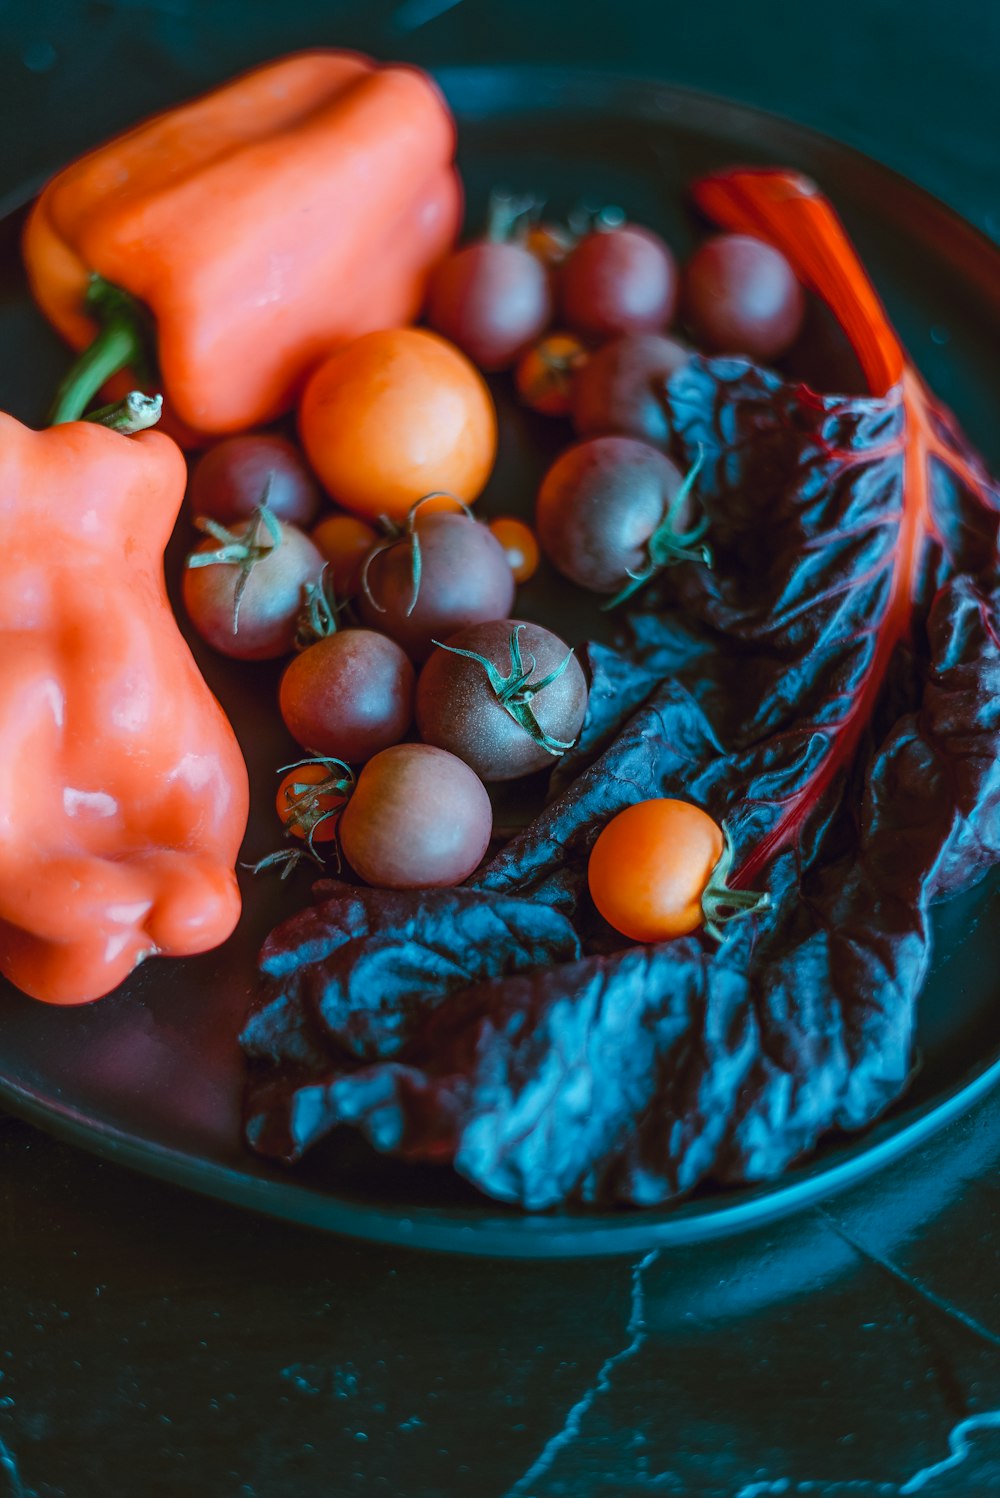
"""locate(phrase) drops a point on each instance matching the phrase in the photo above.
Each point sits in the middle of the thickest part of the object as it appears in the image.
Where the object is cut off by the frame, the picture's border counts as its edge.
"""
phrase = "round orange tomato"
(396, 415)
(519, 544)
(344, 541)
(311, 813)
(650, 867)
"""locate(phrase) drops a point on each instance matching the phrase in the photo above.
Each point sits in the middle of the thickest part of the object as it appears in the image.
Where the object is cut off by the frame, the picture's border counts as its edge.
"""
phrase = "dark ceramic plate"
(152, 1075)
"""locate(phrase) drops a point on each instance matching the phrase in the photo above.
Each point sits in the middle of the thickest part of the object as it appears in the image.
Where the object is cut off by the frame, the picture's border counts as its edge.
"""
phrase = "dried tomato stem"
(303, 806)
(285, 859)
(303, 809)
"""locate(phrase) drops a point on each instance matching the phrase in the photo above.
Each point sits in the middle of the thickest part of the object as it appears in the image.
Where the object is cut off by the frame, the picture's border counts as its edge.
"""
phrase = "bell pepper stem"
(123, 340)
(136, 413)
(114, 347)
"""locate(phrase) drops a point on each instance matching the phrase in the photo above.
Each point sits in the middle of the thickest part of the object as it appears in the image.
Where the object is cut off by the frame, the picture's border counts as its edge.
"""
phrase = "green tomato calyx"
(245, 551)
(516, 690)
(667, 546)
(721, 904)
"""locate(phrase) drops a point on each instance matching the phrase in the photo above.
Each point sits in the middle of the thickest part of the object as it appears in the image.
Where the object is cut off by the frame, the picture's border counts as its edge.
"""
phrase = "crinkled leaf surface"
(831, 691)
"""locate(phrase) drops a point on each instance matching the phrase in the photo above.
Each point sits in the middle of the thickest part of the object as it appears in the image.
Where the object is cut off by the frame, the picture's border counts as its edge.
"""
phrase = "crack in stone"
(949, 1389)
(917, 1286)
(8, 1465)
(570, 1429)
(784, 1487)
(958, 1449)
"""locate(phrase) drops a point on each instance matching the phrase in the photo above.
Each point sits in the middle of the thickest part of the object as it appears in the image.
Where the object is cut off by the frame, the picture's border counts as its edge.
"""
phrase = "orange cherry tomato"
(344, 541)
(651, 865)
(544, 374)
(519, 544)
(304, 813)
(396, 415)
(550, 242)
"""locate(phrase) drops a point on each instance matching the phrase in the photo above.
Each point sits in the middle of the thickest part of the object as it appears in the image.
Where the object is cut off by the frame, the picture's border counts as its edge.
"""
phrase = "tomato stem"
(589, 218)
(243, 551)
(719, 903)
(667, 546)
(285, 859)
(124, 338)
(318, 616)
(396, 537)
(303, 799)
(303, 809)
(515, 691)
(509, 215)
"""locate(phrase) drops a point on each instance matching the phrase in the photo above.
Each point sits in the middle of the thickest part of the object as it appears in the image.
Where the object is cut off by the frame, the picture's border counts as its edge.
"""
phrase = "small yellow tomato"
(519, 544)
(650, 867)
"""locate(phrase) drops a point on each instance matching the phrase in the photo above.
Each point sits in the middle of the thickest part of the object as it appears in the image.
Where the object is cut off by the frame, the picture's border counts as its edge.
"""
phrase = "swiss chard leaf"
(831, 691)
(362, 968)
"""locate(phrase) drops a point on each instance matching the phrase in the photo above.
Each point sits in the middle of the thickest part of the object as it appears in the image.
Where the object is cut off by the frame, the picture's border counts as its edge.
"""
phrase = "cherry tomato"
(650, 867)
(344, 541)
(464, 578)
(459, 707)
(349, 695)
(741, 296)
(621, 387)
(550, 242)
(305, 814)
(491, 299)
(519, 544)
(238, 474)
(546, 373)
(601, 503)
(618, 280)
(396, 415)
(249, 608)
(418, 819)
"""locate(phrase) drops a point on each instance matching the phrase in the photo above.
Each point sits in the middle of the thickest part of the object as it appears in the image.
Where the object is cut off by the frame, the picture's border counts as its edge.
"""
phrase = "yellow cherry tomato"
(396, 415)
(344, 541)
(650, 867)
(519, 544)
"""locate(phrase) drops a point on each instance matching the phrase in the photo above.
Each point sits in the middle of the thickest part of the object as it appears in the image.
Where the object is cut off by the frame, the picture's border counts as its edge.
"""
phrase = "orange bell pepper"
(288, 211)
(123, 792)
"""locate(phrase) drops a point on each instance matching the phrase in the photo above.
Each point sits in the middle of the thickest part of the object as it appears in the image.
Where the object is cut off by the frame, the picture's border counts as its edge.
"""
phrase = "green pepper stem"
(123, 340)
(113, 349)
(136, 413)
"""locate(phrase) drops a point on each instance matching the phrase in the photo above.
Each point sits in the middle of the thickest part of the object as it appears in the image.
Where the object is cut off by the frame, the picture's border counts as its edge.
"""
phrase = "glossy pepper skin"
(123, 792)
(262, 225)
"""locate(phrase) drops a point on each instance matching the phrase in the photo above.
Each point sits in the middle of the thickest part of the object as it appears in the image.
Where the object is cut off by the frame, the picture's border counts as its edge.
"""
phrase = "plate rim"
(537, 1236)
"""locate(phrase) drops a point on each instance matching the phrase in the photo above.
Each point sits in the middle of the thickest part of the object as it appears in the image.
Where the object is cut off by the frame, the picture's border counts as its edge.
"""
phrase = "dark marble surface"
(152, 1343)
